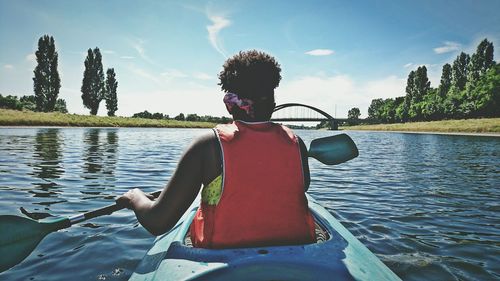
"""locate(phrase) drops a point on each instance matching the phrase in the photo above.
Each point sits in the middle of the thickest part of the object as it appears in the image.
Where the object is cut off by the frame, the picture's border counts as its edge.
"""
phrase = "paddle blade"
(333, 150)
(19, 236)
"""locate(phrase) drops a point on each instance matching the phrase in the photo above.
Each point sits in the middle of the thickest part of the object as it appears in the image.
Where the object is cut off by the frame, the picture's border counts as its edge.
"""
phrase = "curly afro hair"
(250, 74)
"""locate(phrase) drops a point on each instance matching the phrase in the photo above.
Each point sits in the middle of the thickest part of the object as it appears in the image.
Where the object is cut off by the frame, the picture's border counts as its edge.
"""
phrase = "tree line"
(47, 83)
(181, 117)
(28, 102)
(469, 88)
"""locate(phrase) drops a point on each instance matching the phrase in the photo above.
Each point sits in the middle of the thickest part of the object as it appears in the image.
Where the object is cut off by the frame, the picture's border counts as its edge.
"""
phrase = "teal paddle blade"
(333, 150)
(19, 236)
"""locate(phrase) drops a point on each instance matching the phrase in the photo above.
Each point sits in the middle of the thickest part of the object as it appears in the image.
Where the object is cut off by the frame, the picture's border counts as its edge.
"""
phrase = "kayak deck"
(341, 257)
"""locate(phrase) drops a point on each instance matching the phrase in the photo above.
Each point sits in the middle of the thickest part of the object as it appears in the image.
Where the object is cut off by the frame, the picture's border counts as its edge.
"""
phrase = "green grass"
(29, 118)
(486, 125)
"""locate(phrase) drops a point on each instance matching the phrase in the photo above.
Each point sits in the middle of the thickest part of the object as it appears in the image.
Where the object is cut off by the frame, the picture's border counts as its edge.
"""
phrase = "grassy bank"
(486, 125)
(28, 118)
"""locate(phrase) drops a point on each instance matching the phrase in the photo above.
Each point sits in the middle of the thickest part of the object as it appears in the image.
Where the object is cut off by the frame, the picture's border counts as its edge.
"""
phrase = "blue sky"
(167, 54)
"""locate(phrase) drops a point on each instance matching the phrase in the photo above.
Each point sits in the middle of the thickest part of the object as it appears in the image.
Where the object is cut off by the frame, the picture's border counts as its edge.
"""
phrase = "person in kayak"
(254, 172)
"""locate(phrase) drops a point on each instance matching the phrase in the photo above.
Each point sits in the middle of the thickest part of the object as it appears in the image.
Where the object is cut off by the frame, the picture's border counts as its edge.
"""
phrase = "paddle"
(333, 150)
(19, 235)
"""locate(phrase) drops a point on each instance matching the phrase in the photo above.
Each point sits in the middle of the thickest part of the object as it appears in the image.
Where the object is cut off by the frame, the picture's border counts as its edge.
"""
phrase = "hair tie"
(231, 100)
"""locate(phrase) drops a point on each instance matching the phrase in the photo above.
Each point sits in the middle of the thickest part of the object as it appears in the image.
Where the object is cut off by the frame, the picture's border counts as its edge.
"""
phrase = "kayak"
(340, 257)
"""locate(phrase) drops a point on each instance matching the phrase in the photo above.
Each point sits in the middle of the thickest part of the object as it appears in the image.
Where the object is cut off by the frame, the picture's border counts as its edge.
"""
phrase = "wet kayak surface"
(426, 205)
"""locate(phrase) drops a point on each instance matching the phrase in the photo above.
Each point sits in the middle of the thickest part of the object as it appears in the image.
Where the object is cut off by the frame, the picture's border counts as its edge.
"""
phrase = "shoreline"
(15, 118)
(28, 119)
(486, 134)
(94, 127)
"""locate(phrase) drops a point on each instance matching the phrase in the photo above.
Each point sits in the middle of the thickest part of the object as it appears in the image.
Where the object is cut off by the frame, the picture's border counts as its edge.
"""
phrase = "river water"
(427, 205)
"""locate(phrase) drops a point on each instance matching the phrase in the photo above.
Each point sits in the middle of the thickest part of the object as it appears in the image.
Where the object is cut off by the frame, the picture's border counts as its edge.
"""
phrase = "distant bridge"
(304, 113)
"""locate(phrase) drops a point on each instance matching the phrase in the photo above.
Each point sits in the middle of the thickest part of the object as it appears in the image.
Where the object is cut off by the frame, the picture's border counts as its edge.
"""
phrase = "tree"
(10, 102)
(144, 114)
(486, 94)
(459, 71)
(61, 106)
(111, 86)
(419, 89)
(422, 84)
(403, 112)
(399, 104)
(432, 106)
(452, 104)
(480, 62)
(46, 83)
(192, 117)
(93, 88)
(445, 84)
(373, 110)
(28, 102)
(180, 117)
(353, 115)
(158, 115)
(388, 111)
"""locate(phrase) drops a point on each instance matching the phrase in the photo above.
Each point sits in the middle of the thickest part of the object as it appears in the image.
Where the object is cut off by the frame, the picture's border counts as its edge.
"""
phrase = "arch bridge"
(304, 113)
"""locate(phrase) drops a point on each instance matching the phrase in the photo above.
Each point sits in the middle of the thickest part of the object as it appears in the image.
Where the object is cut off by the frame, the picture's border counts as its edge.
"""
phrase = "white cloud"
(145, 74)
(447, 47)
(218, 23)
(173, 73)
(8, 66)
(127, 57)
(138, 45)
(202, 76)
(162, 79)
(320, 52)
(31, 58)
(340, 92)
(388, 87)
(416, 65)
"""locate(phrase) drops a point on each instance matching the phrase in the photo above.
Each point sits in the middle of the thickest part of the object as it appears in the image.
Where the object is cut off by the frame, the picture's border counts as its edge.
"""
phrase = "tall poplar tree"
(459, 71)
(422, 84)
(410, 92)
(445, 84)
(420, 88)
(111, 86)
(480, 61)
(93, 88)
(46, 83)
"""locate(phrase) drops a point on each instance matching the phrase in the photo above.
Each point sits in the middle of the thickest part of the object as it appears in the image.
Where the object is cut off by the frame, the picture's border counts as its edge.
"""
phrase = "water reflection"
(99, 160)
(110, 150)
(47, 167)
(47, 154)
(92, 154)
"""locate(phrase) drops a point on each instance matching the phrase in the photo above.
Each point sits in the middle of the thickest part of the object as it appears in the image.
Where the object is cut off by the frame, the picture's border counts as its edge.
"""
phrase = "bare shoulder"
(204, 142)
(206, 149)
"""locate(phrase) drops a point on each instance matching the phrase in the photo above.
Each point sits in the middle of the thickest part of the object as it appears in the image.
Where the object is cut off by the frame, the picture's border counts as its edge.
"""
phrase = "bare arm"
(161, 215)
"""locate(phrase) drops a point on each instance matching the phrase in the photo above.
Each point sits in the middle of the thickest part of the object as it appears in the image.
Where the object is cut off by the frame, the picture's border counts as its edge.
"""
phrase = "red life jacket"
(263, 199)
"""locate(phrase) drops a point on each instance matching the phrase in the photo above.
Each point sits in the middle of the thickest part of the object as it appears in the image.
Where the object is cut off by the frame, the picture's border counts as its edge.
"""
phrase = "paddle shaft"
(101, 212)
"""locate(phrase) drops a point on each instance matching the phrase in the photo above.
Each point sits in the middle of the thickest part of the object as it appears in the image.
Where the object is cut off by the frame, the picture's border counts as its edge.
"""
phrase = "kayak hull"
(341, 257)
